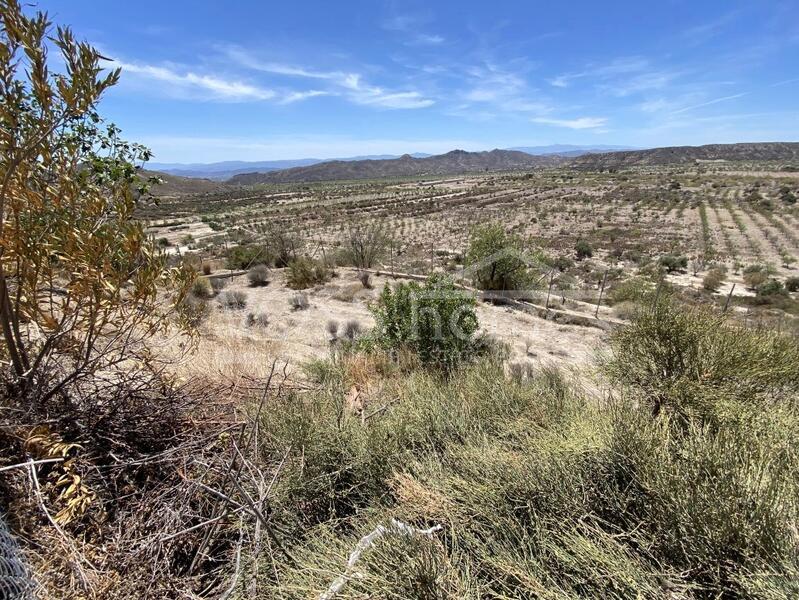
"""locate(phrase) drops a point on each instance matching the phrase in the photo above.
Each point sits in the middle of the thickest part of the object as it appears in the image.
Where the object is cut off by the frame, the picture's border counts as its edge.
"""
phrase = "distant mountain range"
(569, 149)
(456, 161)
(461, 162)
(221, 171)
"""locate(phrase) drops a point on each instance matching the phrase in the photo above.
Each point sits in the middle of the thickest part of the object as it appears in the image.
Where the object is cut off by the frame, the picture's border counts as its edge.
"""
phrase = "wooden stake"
(729, 296)
(551, 280)
(601, 290)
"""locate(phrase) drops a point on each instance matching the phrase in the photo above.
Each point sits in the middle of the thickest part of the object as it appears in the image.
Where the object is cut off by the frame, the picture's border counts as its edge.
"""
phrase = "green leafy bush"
(248, 255)
(673, 263)
(692, 362)
(498, 260)
(582, 250)
(771, 287)
(713, 279)
(756, 275)
(435, 320)
(634, 290)
(305, 272)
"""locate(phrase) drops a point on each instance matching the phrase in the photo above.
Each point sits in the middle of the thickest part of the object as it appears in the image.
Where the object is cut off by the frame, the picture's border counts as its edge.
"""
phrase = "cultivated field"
(720, 216)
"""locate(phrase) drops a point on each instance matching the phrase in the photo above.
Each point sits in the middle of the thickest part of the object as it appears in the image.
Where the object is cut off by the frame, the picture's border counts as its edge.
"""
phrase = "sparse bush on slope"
(305, 272)
(498, 260)
(436, 321)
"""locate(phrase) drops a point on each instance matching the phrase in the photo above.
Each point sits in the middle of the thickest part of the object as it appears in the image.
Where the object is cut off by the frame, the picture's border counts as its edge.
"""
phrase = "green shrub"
(634, 290)
(306, 272)
(756, 275)
(713, 279)
(792, 284)
(201, 288)
(436, 321)
(692, 362)
(673, 263)
(498, 260)
(539, 494)
(582, 249)
(771, 287)
(248, 255)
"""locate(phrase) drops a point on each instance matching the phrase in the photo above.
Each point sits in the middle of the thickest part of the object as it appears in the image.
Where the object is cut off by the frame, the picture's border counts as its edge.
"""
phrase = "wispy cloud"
(208, 87)
(579, 123)
(348, 84)
(410, 26)
(785, 82)
(619, 66)
(427, 39)
(710, 102)
(297, 96)
(703, 32)
(504, 89)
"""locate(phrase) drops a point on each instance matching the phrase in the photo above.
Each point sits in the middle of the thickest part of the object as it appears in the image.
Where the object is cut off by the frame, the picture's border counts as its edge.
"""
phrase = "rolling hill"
(454, 162)
(174, 185)
(758, 151)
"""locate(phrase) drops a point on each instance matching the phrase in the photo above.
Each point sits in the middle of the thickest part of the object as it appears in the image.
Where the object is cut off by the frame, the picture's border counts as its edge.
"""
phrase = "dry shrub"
(626, 310)
(347, 293)
(201, 288)
(305, 272)
(299, 301)
(366, 279)
(218, 284)
(234, 299)
(257, 320)
(133, 441)
(258, 275)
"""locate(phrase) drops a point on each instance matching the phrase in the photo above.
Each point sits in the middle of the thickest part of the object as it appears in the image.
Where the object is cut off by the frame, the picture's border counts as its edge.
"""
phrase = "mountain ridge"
(453, 162)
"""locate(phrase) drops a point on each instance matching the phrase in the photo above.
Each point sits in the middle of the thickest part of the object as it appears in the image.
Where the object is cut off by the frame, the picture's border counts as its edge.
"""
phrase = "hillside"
(689, 154)
(175, 185)
(456, 161)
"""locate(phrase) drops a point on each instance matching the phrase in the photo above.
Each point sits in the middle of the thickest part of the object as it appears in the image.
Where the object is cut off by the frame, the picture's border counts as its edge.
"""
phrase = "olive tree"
(80, 281)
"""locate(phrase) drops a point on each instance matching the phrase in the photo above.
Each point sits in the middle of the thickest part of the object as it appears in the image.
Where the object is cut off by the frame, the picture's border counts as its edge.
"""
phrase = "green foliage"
(539, 493)
(713, 279)
(634, 289)
(201, 288)
(436, 321)
(691, 362)
(304, 272)
(248, 255)
(771, 287)
(498, 260)
(756, 275)
(582, 250)
(673, 263)
(70, 186)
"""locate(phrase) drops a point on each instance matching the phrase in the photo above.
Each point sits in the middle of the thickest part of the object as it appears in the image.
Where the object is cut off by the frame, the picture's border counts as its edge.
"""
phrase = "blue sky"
(245, 80)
